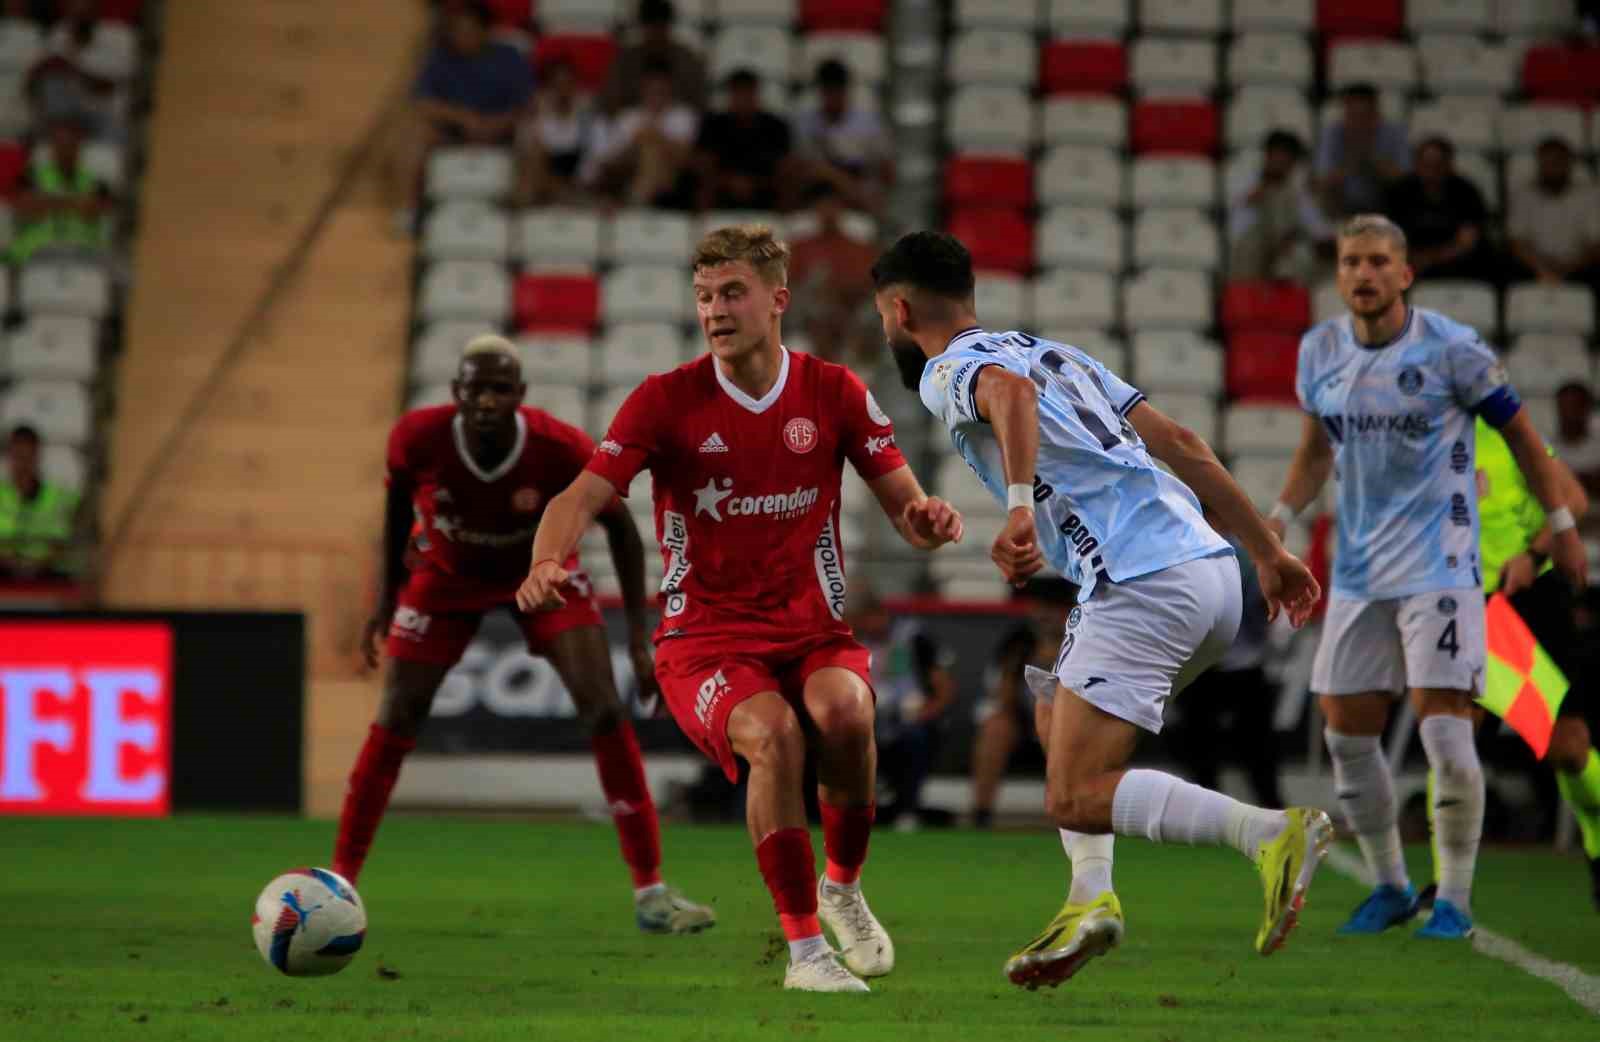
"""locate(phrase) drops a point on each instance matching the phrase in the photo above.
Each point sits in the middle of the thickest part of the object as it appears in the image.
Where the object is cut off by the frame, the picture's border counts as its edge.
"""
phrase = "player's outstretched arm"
(1543, 473)
(926, 522)
(1308, 472)
(560, 528)
(397, 518)
(1010, 403)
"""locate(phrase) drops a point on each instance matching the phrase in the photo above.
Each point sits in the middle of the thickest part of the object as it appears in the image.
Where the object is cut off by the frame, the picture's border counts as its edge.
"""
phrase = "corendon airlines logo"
(718, 497)
(85, 718)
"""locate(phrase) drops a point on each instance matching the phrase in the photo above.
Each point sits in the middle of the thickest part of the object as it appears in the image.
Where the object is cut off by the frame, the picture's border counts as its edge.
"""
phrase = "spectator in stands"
(830, 274)
(472, 90)
(1359, 154)
(1576, 442)
(642, 157)
(1443, 215)
(744, 152)
(37, 517)
(655, 45)
(79, 72)
(1554, 222)
(845, 144)
(1275, 227)
(553, 139)
(62, 208)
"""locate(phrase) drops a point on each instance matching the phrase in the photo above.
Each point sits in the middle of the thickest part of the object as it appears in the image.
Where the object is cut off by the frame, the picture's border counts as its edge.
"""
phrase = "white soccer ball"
(309, 922)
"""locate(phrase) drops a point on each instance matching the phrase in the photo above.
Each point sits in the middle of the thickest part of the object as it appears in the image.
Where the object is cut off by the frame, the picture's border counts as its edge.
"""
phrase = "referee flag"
(1523, 687)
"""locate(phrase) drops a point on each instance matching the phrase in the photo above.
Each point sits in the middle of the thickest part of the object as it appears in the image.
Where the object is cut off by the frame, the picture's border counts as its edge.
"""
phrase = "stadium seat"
(1002, 300)
(1480, 170)
(862, 227)
(589, 54)
(988, 180)
(1470, 122)
(1261, 429)
(466, 230)
(469, 172)
(1083, 67)
(983, 119)
(65, 466)
(1198, 412)
(1176, 238)
(466, 290)
(1104, 348)
(1081, 176)
(1278, 16)
(1385, 64)
(1465, 65)
(113, 52)
(1105, 18)
(1198, 17)
(21, 43)
(1540, 363)
(566, 403)
(16, 121)
(1265, 307)
(511, 13)
(53, 347)
(1162, 298)
(1270, 60)
(428, 396)
(1174, 127)
(555, 359)
(557, 301)
(1522, 127)
(862, 53)
(1261, 366)
(1393, 105)
(1558, 72)
(992, 56)
(994, 14)
(555, 237)
(1177, 361)
(645, 236)
(1160, 66)
(1542, 413)
(1532, 307)
(766, 49)
(121, 10)
(713, 219)
(601, 413)
(1087, 238)
(577, 16)
(1471, 303)
(998, 238)
(633, 350)
(1326, 302)
(64, 288)
(1257, 111)
(843, 15)
(646, 293)
(1261, 478)
(1174, 181)
(436, 350)
(1088, 120)
(758, 12)
(1082, 299)
(1363, 18)
(59, 410)
(1534, 17)
(1465, 17)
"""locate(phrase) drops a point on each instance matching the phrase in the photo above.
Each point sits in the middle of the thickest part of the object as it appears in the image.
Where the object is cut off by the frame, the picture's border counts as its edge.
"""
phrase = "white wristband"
(1281, 511)
(1019, 496)
(1561, 519)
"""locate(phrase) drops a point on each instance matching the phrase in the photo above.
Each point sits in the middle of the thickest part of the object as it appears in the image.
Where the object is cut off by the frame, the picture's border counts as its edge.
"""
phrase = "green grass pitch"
(495, 929)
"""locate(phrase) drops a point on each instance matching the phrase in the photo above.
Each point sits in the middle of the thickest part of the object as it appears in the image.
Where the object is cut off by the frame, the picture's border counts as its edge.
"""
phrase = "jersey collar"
(765, 402)
(964, 337)
(1405, 331)
(458, 430)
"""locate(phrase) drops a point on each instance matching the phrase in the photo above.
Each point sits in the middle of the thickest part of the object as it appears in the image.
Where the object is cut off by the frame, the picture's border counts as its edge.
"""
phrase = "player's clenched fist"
(933, 522)
(1016, 549)
(541, 590)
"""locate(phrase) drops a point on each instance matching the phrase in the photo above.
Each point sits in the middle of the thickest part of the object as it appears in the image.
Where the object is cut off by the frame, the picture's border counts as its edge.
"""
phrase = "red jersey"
(747, 492)
(477, 525)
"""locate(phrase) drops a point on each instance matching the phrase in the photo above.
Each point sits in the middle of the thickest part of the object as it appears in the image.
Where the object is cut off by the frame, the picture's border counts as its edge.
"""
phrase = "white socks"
(1161, 807)
(1457, 803)
(1366, 792)
(1091, 864)
(807, 948)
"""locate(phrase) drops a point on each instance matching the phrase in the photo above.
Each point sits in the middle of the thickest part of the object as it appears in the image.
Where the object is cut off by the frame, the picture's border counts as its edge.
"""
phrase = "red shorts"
(437, 615)
(703, 679)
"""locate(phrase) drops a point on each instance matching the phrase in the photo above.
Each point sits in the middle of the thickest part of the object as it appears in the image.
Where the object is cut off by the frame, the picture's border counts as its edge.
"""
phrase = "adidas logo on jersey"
(714, 444)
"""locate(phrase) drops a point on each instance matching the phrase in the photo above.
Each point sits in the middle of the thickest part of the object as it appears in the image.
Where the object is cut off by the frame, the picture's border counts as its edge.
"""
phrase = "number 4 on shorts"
(1447, 639)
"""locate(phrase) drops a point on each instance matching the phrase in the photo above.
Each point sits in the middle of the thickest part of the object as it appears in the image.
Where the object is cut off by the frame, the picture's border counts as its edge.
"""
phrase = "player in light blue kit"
(1068, 446)
(1390, 393)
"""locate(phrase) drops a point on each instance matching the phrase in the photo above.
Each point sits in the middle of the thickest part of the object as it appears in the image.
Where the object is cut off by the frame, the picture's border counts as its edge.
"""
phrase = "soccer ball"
(309, 922)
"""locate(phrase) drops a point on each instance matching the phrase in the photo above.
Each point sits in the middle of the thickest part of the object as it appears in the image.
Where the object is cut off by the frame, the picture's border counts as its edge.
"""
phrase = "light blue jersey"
(1104, 510)
(1400, 419)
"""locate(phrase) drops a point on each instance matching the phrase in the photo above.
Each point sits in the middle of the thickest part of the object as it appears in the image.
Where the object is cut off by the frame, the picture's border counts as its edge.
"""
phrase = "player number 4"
(1447, 639)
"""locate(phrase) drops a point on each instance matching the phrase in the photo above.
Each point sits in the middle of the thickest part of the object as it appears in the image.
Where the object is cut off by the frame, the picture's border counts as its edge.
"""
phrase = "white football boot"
(863, 942)
(667, 911)
(822, 972)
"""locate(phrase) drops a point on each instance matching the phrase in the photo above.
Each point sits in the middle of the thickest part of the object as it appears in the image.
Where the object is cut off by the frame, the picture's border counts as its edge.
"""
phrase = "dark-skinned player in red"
(467, 484)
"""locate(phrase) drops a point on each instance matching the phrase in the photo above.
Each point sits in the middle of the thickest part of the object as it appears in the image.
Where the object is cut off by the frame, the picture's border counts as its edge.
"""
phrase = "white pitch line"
(1583, 988)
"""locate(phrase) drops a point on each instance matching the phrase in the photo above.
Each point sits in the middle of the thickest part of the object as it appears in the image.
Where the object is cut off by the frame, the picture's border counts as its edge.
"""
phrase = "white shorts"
(1135, 644)
(1425, 640)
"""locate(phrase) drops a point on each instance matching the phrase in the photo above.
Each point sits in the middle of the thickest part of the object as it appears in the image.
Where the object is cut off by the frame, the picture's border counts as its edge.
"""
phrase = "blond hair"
(754, 244)
(1374, 224)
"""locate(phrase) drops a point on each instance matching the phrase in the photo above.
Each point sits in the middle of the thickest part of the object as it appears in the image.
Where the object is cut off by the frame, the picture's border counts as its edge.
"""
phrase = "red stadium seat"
(1266, 307)
(121, 10)
(999, 239)
(589, 53)
(988, 181)
(1385, 18)
(557, 302)
(1558, 73)
(1174, 127)
(1261, 366)
(1083, 67)
(861, 16)
(13, 160)
(511, 12)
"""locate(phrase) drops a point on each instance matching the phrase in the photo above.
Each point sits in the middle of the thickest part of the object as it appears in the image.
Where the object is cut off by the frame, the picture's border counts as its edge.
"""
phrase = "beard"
(910, 360)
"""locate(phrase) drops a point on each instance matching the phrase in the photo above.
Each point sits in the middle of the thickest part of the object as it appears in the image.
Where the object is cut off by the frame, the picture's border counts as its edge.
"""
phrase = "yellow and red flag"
(1523, 687)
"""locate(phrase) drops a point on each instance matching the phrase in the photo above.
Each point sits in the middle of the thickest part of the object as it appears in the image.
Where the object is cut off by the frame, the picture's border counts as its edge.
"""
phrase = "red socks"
(790, 870)
(845, 832)
(616, 756)
(371, 781)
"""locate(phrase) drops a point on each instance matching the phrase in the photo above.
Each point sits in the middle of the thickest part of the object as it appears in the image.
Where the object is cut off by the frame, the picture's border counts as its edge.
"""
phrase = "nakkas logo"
(779, 506)
(878, 444)
(800, 434)
(712, 689)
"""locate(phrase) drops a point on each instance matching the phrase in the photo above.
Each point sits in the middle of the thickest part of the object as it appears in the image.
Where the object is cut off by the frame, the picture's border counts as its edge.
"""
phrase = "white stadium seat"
(578, 16)
(16, 115)
(555, 359)
(993, 56)
(1174, 181)
(100, 158)
(65, 466)
(1002, 300)
(1172, 66)
(112, 52)
(1542, 413)
(53, 347)
(1203, 17)
(1162, 298)
(1079, 175)
(645, 293)
(1469, 122)
(1176, 238)
(1282, 16)
(763, 12)
(1089, 17)
(21, 43)
(1198, 412)
(1257, 111)
(1085, 121)
(1261, 478)
(58, 409)
(1177, 361)
(995, 14)
(566, 403)
(1471, 303)
(1466, 65)
(633, 350)
(1535, 308)
(466, 230)
(862, 53)
(558, 237)
(1088, 238)
(427, 396)
(766, 50)
(1522, 127)
(64, 288)
(1270, 60)
(436, 351)
(862, 227)
(1384, 64)
(1326, 302)
(1450, 16)
(601, 412)
(1075, 298)
(990, 119)
(1534, 17)
(468, 290)
(643, 236)
(473, 172)
(1480, 170)
(1261, 429)
(1110, 351)
(1540, 363)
